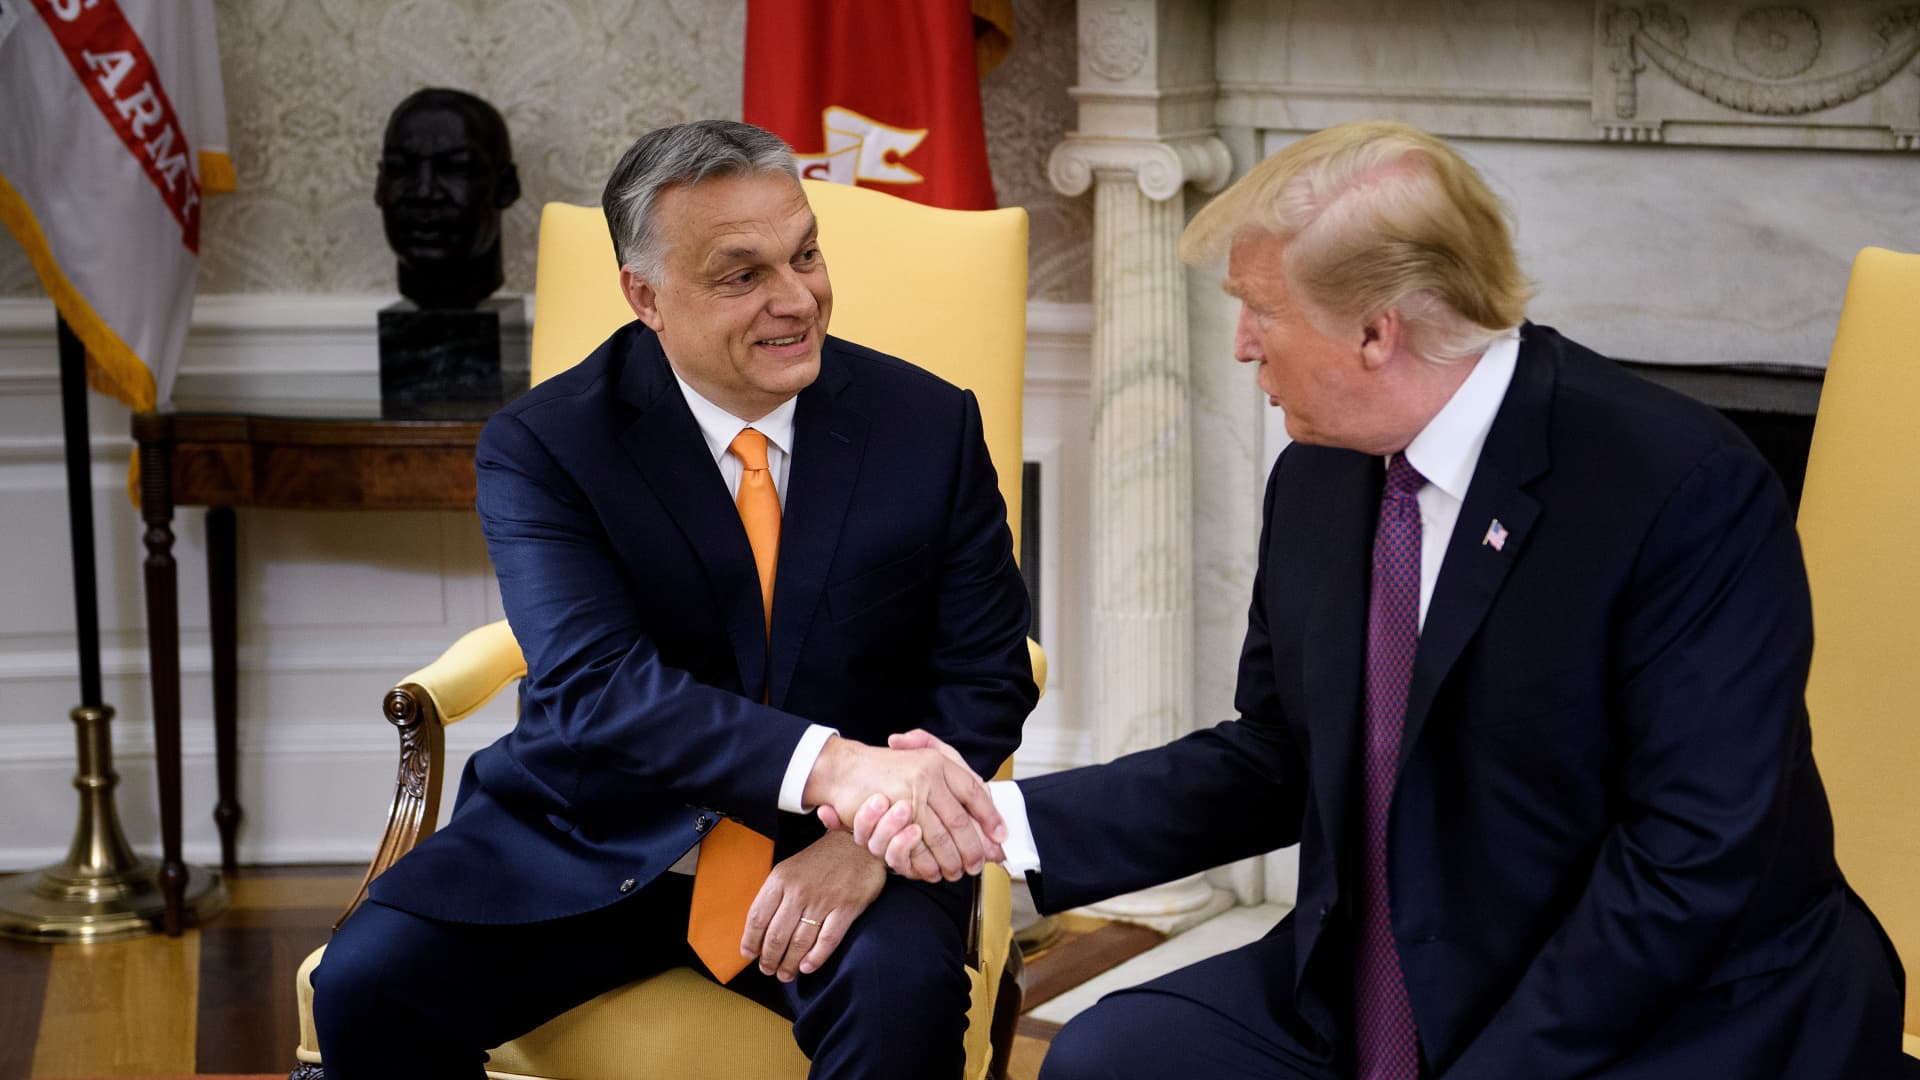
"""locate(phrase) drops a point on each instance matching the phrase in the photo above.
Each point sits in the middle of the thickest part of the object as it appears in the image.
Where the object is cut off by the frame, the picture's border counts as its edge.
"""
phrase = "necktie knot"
(1402, 477)
(750, 447)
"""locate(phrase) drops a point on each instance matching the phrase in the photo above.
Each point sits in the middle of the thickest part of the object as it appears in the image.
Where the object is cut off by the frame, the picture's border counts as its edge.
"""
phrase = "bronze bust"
(446, 173)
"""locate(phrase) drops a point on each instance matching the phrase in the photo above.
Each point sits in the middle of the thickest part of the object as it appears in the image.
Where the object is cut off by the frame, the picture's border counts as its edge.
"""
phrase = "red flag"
(883, 93)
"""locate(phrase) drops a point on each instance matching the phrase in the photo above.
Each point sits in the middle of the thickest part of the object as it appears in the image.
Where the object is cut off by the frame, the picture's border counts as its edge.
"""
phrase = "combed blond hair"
(1377, 215)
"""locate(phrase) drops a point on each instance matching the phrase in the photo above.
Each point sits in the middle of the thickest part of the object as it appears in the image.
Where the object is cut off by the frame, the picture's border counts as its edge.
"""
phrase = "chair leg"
(1007, 1006)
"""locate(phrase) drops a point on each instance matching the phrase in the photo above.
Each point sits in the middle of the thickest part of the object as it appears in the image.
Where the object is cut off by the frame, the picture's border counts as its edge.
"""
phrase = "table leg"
(163, 656)
(222, 615)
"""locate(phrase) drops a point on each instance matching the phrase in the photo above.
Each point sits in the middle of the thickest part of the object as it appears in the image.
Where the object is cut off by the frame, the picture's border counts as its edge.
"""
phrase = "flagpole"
(103, 890)
(86, 590)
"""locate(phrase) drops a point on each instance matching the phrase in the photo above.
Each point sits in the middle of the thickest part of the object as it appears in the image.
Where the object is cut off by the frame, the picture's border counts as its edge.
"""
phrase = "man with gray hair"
(736, 553)
(1523, 678)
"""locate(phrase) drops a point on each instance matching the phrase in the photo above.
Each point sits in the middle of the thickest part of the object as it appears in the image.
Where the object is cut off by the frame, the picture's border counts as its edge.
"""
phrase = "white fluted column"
(1140, 686)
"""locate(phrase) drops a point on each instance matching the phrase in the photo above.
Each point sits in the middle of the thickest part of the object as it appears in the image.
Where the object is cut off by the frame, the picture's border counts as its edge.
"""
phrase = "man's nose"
(791, 298)
(1246, 344)
(422, 181)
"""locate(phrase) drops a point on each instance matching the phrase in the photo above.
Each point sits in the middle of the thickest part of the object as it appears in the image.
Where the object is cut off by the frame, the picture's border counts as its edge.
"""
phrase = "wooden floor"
(219, 999)
(1084, 948)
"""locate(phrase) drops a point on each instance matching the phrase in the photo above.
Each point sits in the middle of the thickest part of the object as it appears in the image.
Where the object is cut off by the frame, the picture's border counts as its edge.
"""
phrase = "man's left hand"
(807, 904)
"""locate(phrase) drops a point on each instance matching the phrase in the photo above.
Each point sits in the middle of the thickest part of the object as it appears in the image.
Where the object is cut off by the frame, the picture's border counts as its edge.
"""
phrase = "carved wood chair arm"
(464, 678)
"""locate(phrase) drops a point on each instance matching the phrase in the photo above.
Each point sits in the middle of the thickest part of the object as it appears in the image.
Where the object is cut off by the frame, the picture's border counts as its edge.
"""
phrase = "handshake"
(916, 804)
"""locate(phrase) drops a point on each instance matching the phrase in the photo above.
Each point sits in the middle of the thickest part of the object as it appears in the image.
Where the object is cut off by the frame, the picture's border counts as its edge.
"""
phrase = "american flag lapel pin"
(1496, 537)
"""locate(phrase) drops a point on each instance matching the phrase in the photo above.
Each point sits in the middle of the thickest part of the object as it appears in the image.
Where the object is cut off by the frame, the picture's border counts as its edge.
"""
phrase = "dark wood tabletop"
(226, 460)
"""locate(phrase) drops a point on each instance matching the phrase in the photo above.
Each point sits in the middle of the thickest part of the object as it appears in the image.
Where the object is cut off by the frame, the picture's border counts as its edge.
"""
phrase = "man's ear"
(643, 298)
(1381, 338)
(506, 187)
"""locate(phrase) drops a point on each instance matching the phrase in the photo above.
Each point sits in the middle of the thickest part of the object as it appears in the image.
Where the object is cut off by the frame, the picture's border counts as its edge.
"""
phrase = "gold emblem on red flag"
(860, 148)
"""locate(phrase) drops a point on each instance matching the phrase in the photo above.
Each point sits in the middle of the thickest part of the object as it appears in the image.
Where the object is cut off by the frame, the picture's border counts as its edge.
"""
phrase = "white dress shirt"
(719, 427)
(1446, 452)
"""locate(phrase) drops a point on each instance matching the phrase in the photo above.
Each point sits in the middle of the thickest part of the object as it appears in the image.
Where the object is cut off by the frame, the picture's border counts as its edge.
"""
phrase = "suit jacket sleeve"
(981, 674)
(1220, 794)
(624, 718)
(1713, 637)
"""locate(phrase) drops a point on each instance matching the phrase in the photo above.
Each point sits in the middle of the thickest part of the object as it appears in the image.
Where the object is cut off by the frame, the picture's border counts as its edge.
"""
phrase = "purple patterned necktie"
(1385, 1036)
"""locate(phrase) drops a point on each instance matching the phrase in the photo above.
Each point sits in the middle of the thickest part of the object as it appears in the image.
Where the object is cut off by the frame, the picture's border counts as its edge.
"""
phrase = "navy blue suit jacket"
(629, 583)
(1607, 829)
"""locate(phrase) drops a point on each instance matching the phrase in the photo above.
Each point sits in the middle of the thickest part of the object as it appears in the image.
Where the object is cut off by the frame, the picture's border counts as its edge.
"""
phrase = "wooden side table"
(223, 461)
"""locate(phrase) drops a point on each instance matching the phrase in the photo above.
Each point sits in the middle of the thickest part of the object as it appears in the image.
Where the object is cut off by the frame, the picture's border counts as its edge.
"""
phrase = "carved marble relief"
(1832, 74)
(1116, 42)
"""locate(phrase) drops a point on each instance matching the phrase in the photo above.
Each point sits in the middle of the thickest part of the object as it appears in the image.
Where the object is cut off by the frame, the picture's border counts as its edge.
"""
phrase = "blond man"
(1523, 678)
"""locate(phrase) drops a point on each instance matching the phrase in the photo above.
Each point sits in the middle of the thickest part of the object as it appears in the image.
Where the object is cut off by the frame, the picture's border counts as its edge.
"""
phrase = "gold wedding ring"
(809, 922)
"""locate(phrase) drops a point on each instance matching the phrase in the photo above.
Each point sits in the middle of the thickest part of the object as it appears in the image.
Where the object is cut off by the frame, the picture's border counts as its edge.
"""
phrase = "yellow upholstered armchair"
(945, 289)
(1858, 519)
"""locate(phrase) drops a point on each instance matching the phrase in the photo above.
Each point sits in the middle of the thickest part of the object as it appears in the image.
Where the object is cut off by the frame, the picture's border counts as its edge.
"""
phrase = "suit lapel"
(1335, 559)
(828, 443)
(666, 445)
(1473, 571)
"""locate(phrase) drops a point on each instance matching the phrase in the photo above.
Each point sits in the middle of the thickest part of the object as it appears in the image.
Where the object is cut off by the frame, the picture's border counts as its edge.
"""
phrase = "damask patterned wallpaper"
(1028, 113)
(310, 82)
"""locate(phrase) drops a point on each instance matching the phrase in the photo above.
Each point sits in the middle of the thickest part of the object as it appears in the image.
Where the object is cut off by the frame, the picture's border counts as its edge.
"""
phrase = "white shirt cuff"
(1023, 855)
(794, 784)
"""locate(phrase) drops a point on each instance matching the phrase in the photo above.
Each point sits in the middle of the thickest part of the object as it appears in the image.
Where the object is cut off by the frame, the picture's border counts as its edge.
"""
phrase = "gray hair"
(671, 156)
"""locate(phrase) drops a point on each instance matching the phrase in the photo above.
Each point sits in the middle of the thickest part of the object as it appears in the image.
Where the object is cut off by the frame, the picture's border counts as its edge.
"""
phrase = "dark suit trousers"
(400, 995)
(1213, 1019)
(1207, 1019)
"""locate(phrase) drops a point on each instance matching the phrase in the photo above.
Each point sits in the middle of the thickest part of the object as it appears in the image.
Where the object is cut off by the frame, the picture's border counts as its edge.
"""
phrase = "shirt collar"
(1448, 448)
(719, 426)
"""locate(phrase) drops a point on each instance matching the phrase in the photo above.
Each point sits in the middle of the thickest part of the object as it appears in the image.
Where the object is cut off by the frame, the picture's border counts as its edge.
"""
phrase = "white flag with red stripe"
(113, 128)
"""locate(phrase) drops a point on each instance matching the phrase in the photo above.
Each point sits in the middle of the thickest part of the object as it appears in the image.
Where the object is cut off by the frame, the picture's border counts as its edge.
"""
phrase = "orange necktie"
(735, 860)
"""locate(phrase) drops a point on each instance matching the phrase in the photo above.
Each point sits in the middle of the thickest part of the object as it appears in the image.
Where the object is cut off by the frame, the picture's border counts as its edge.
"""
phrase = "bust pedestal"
(448, 363)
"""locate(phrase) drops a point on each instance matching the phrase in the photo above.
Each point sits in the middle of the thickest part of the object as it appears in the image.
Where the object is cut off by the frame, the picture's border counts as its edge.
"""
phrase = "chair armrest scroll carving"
(464, 678)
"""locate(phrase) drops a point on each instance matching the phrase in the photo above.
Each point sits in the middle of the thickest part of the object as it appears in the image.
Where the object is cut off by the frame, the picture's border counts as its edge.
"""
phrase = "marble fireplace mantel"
(1826, 74)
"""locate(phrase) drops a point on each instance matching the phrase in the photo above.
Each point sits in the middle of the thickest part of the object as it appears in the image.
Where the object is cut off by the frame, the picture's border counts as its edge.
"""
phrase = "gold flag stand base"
(102, 891)
(57, 904)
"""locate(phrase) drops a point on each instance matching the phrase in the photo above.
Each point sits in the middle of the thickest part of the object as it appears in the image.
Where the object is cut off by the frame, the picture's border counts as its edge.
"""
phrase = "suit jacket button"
(1323, 913)
(700, 823)
(627, 885)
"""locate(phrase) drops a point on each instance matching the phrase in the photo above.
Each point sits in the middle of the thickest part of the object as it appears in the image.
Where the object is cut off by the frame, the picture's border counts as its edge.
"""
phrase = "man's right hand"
(951, 810)
(887, 830)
